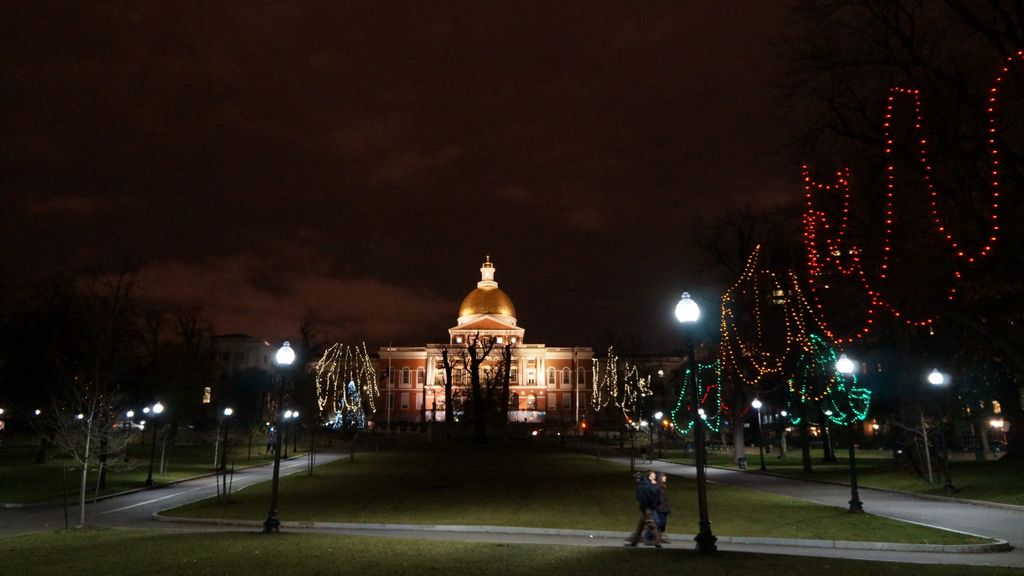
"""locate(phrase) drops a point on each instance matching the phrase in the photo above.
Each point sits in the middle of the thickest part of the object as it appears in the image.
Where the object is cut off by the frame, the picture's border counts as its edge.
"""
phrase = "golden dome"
(487, 301)
(487, 298)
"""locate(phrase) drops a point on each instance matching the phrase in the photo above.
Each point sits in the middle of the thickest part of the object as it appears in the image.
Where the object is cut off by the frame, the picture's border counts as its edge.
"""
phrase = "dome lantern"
(487, 298)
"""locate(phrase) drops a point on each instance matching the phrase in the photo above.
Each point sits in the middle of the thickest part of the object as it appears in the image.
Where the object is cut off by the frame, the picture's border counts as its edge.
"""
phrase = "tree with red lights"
(914, 185)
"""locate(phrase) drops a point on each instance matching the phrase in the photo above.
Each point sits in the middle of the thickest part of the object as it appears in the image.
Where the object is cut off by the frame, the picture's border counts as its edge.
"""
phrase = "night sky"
(354, 162)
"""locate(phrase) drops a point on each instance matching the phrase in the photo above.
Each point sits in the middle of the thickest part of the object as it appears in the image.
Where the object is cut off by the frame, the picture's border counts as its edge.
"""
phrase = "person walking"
(270, 441)
(647, 496)
(662, 510)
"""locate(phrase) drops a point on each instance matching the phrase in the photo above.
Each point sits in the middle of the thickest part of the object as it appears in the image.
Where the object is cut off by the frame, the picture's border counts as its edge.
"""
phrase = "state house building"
(547, 384)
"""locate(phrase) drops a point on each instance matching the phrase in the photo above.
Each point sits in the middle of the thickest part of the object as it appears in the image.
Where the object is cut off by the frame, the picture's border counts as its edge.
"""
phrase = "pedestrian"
(662, 510)
(270, 441)
(647, 496)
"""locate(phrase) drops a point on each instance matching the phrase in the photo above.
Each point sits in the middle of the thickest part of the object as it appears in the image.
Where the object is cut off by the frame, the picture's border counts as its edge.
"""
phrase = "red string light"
(829, 247)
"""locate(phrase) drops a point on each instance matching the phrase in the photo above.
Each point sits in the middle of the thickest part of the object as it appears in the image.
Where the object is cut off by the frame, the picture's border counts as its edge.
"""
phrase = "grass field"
(992, 480)
(23, 481)
(102, 552)
(537, 486)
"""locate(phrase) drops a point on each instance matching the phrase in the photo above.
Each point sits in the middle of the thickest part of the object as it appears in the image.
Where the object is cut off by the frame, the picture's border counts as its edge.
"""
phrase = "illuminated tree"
(346, 386)
(913, 111)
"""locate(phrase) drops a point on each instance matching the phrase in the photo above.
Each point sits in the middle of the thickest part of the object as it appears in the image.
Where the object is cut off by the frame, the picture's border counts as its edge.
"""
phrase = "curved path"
(139, 509)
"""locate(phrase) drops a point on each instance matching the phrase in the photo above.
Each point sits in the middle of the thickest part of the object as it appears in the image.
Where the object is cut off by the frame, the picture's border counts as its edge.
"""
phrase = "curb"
(995, 546)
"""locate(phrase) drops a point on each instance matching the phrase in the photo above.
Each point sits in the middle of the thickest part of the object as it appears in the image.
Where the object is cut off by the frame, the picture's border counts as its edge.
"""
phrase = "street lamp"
(284, 358)
(295, 431)
(661, 431)
(845, 367)
(224, 442)
(687, 313)
(284, 430)
(127, 431)
(153, 411)
(938, 379)
(760, 437)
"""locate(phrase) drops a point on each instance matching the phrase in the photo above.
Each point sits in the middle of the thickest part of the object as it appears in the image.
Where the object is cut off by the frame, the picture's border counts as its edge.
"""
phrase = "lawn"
(991, 480)
(536, 486)
(100, 552)
(23, 481)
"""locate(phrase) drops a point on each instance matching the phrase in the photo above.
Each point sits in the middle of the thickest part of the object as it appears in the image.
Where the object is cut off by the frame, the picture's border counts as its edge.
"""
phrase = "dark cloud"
(274, 150)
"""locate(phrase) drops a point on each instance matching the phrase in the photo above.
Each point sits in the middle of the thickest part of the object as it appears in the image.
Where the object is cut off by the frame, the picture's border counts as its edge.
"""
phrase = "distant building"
(234, 354)
(547, 384)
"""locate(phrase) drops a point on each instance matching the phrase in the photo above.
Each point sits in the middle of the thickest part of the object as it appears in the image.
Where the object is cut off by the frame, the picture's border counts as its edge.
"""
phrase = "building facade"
(547, 384)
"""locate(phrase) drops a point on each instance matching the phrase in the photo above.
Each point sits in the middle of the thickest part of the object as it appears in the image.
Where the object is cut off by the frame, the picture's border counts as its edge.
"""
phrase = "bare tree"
(88, 351)
(846, 58)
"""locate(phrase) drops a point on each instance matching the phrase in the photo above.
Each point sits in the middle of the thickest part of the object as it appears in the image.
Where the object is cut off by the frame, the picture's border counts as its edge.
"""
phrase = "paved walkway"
(140, 510)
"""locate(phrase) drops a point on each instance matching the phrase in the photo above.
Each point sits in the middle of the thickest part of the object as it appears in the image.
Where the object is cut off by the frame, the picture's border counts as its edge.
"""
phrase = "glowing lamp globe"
(936, 378)
(687, 311)
(844, 365)
(285, 355)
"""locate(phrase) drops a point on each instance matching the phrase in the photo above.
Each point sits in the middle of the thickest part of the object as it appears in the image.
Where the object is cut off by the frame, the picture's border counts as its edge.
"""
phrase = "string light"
(345, 380)
(817, 381)
(745, 353)
(711, 408)
(624, 388)
(829, 248)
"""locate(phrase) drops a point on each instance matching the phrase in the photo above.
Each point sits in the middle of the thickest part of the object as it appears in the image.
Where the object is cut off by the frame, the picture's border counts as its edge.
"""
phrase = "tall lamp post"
(661, 432)
(284, 358)
(127, 431)
(284, 430)
(153, 412)
(687, 313)
(224, 442)
(760, 437)
(845, 366)
(938, 379)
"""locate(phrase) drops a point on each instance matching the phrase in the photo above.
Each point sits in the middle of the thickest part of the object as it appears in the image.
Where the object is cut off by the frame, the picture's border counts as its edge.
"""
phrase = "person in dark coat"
(662, 510)
(647, 496)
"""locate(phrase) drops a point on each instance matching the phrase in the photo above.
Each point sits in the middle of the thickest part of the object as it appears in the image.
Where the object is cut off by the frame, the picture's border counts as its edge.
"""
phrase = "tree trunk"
(805, 440)
(85, 474)
(981, 449)
(449, 414)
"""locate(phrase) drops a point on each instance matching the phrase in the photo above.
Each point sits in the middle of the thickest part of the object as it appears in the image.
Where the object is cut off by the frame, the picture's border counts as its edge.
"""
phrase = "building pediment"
(485, 323)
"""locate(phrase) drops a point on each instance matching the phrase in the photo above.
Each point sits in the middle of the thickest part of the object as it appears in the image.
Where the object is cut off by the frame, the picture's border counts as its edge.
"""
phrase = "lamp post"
(938, 379)
(127, 431)
(284, 358)
(284, 430)
(760, 437)
(155, 411)
(661, 432)
(224, 442)
(687, 313)
(845, 366)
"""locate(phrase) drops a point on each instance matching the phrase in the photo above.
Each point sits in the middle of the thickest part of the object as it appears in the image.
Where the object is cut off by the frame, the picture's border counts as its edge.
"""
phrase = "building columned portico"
(547, 384)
